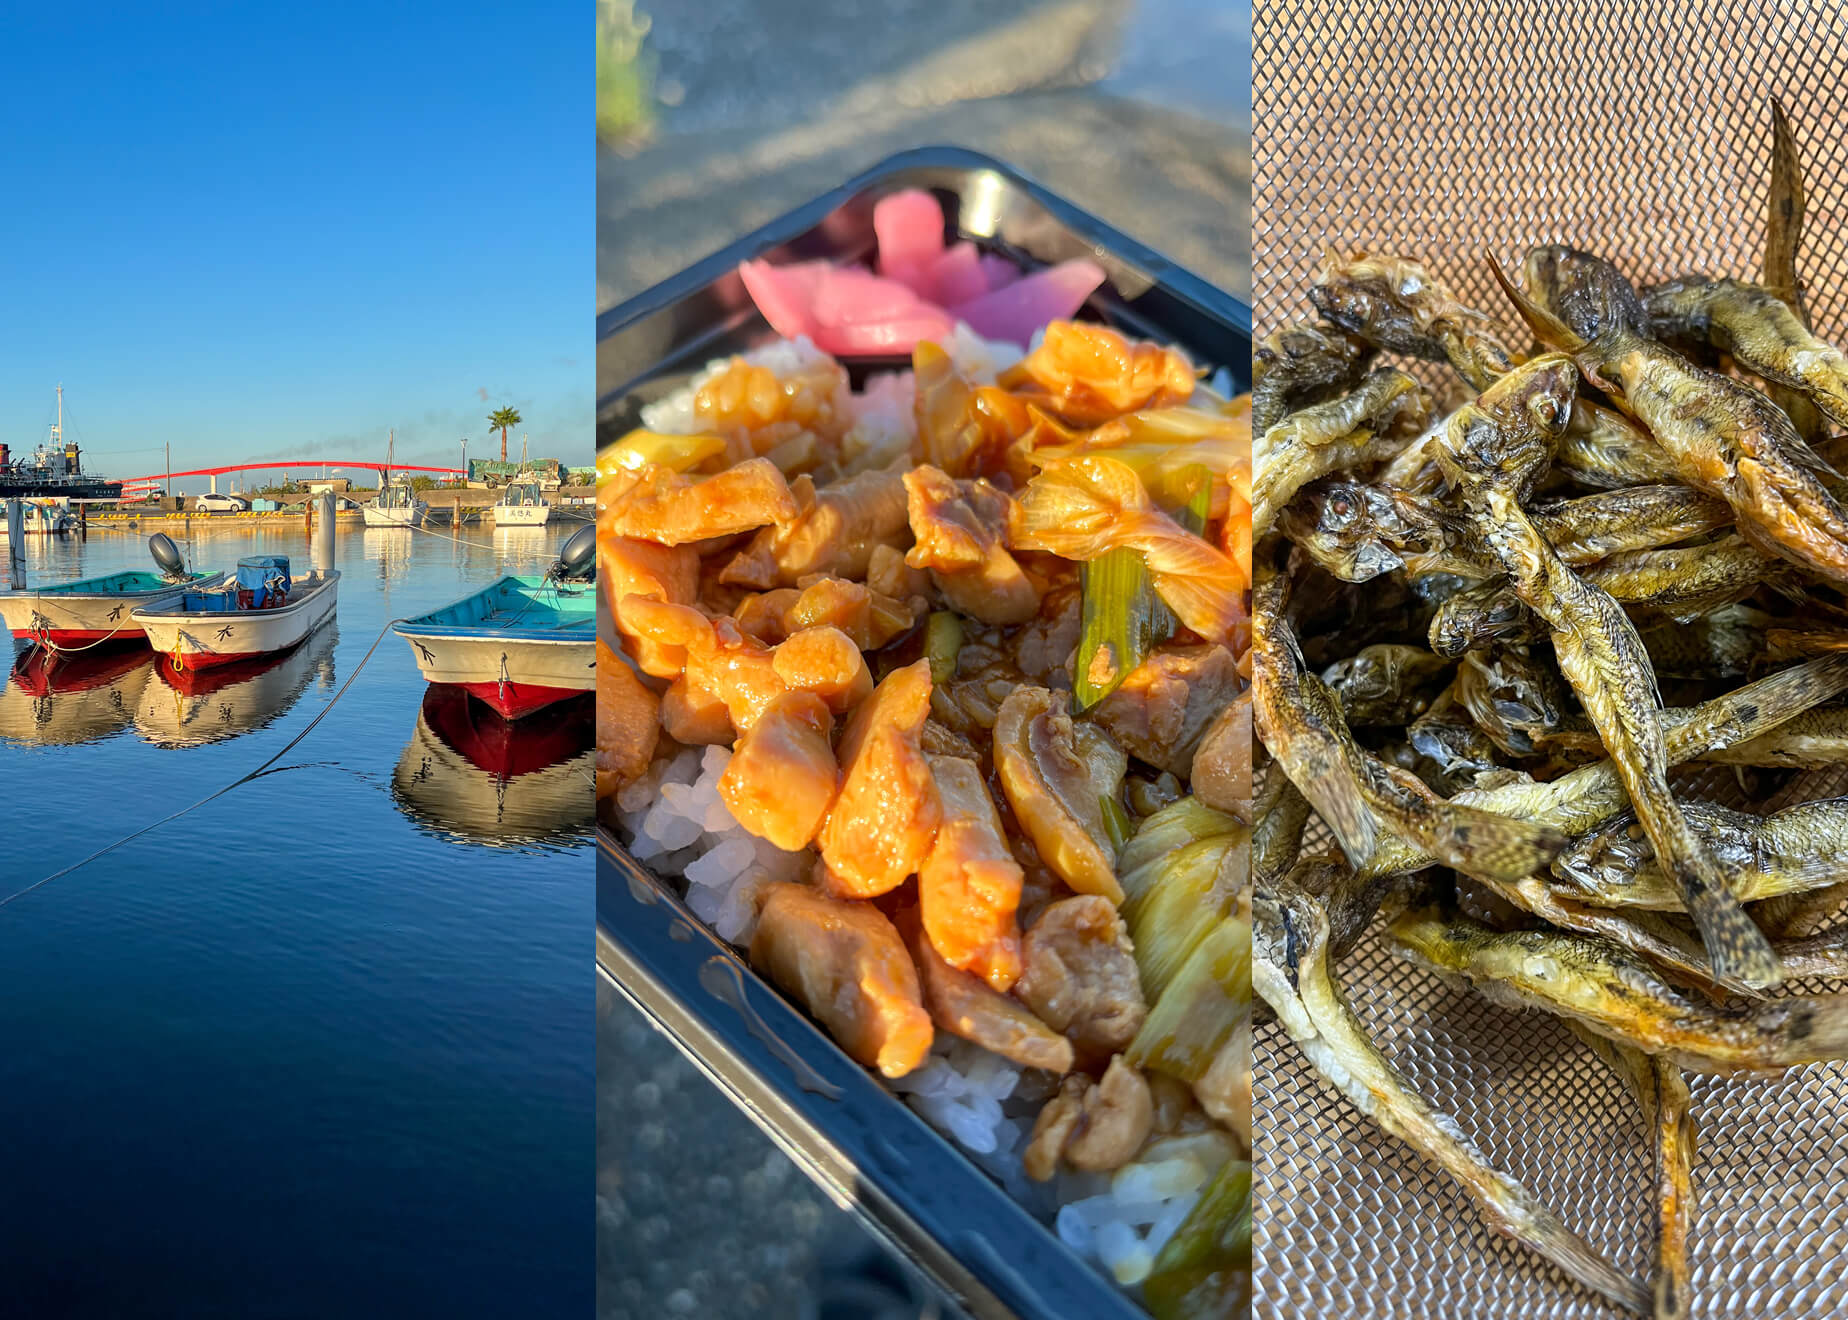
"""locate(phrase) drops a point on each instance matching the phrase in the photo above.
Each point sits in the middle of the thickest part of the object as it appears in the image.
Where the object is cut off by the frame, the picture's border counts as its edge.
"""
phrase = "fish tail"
(1487, 845)
(1547, 328)
(1738, 949)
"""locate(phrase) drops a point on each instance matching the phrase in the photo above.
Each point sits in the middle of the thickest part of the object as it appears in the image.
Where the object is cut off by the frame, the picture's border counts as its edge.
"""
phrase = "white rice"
(978, 360)
(676, 824)
(884, 422)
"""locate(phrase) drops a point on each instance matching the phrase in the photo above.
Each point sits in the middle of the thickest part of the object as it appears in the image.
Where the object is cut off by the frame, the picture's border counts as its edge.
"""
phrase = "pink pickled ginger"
(921, 290)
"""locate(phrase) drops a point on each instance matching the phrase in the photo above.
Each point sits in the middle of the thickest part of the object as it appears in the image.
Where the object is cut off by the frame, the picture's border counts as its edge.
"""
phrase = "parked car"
(216, 503)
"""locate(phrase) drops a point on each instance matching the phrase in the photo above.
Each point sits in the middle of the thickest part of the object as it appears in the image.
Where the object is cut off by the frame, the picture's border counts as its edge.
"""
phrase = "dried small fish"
(1291, 971)
(1604, 448)
(1302, 364)
(1725, 437)
(1758, 328)
(1796, 850)
(1662, 1092)
(1494, 453)
(1397, 305)
(1384, 684)
(1621, 996)
(1360, 797)
(1361, 427)
(1512, 699)
(1578, 801)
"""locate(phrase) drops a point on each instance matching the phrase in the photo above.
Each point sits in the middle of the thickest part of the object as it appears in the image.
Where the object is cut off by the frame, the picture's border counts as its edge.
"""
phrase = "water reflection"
(53, 701)
(468, 773)
(191, 707)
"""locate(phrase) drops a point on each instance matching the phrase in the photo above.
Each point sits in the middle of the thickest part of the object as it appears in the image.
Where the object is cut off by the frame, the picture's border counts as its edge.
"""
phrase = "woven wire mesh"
(1447, 131)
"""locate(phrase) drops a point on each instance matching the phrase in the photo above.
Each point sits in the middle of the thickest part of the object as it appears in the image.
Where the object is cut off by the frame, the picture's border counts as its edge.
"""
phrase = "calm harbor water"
(323, 1047)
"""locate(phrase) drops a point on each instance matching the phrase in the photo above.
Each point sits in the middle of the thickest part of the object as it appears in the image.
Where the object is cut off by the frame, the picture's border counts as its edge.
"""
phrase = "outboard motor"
(577, 559)
(167, 557)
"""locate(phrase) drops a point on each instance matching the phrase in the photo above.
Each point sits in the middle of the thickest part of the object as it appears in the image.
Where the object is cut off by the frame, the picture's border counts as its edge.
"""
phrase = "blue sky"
(255, 231)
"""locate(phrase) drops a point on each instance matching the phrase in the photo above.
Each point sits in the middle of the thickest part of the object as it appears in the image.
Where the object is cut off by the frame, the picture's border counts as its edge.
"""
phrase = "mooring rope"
(212, 797)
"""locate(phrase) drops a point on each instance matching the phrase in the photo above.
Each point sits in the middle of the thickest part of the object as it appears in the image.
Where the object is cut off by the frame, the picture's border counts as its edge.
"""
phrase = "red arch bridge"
(138, 487)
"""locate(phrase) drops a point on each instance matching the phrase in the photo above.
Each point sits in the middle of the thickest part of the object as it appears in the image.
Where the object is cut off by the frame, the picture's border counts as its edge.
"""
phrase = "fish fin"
(1547, 328)
(1784, 216)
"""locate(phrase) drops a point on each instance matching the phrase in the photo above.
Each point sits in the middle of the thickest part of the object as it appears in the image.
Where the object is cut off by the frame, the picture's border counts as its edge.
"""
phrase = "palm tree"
(501, 419)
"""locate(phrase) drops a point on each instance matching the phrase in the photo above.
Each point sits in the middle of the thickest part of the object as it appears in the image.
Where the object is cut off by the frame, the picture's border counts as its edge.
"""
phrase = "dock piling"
(322, 521)
(16, 544)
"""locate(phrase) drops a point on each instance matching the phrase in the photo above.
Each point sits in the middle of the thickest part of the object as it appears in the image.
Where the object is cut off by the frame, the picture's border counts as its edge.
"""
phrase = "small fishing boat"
(191, 707)
(522, 504)
(74, 616)
(396, 504)
(261, 611)
(520, 644)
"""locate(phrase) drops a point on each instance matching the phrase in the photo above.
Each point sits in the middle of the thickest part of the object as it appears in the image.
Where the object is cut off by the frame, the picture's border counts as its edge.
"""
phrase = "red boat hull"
(67, 637)
(514, 700)
(213, 659)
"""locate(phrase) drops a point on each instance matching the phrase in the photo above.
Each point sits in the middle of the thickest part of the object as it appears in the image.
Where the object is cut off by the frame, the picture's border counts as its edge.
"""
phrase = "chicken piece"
(846, 963)
(668, 509)
(965, 1006)
(1045, 646)
(1090, 374)
(824, 661)
(728, 679)
(780, 412)
(782, 776)
(1224, 1090)
(832, 531)
(765, 614)
(964, 430)
(961, 531)
(886, 815)
(888, 574)
(1164, 705)
(1052, 786)
(628, 567)
(1096, 1127)
(969, 885)
(1053, 1128)
(867, 616)
(1221, 772)
(628, 723)
(1079, 975)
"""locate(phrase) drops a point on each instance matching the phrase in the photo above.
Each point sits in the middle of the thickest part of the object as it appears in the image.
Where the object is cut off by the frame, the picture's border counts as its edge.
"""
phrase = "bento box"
(910, 1185)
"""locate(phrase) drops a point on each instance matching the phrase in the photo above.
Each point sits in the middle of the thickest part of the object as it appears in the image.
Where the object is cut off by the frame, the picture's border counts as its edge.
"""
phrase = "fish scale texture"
(1451, 130)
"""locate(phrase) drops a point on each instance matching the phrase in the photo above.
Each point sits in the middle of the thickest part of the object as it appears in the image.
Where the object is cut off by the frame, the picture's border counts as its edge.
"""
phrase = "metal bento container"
(909, 1185)
(1450, 131)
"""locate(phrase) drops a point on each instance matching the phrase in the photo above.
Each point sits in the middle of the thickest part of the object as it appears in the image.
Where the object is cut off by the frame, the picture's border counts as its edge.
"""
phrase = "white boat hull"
(202, 640)
(64, 621)
(522, 515)
(415, 516)
(515, 676)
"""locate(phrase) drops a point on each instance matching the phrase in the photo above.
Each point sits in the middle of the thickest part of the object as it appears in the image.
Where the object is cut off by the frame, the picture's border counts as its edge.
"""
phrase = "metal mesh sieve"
(1445, 131)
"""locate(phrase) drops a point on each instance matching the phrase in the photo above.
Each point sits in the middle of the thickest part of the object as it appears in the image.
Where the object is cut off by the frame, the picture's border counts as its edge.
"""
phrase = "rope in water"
(212, 797)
